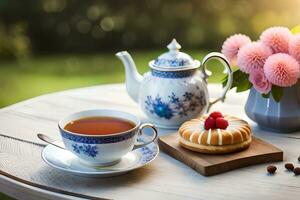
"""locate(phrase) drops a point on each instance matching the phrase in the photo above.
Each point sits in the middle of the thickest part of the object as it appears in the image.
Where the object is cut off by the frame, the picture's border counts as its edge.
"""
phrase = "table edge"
(34, 187)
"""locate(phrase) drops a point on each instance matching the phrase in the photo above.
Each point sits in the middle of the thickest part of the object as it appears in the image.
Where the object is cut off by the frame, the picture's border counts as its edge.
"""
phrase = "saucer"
(64, 160)
(163, 126)
(166, 127)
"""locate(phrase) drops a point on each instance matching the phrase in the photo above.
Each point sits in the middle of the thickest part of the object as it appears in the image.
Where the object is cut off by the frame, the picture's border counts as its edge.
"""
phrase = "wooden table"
(24, 175)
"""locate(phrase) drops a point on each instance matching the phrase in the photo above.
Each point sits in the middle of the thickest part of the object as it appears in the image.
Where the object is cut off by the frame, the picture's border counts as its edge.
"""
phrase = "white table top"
(165, 178)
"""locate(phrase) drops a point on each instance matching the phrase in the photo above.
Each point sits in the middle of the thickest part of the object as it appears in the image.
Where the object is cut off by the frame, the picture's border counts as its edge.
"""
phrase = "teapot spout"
(133, 78)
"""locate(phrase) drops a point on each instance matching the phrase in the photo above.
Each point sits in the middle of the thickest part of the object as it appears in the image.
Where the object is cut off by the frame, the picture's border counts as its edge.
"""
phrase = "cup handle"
(220, 57)
(140, 132)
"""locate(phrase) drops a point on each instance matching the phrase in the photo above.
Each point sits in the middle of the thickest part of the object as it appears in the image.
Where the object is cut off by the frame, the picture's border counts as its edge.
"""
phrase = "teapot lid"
(174, 59)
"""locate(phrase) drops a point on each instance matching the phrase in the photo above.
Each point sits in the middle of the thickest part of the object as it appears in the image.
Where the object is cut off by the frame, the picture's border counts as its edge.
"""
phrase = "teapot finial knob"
(174, 45)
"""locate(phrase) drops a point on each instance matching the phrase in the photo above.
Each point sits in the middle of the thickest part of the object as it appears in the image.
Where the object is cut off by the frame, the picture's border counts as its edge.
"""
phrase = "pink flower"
(253, 56)
(282, 70)
(294, 47)
(232, 45)
(277, 38)
(259, 81)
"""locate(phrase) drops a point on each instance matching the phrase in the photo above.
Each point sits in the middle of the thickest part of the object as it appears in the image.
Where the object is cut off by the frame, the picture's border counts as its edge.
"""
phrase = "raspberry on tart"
(213, 121)
(216, 114)
(210, 123)
(221, 123)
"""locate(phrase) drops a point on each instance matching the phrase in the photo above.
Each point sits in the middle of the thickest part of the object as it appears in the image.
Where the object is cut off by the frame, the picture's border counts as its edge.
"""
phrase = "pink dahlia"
(282, 70)
(259, 81)
(253, 56)
(232, 45)
(294, 47)
(277, 38)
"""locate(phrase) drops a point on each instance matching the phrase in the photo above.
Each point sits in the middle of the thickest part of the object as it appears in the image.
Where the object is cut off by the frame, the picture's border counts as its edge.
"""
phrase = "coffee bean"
(271, 169)
(289, 166)
(297, 171)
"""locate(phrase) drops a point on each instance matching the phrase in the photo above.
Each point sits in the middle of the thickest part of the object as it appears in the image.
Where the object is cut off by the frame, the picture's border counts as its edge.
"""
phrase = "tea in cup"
(102, 137)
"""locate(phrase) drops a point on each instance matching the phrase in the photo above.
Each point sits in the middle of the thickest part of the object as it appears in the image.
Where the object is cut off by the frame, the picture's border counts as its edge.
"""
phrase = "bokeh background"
(51, 45)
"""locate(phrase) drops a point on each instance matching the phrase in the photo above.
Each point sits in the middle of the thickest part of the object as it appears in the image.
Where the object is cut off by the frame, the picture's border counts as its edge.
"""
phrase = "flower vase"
(283, 116)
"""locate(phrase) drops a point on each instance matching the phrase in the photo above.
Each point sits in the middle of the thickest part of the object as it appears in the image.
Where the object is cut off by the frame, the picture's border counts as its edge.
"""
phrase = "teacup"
(103, 150)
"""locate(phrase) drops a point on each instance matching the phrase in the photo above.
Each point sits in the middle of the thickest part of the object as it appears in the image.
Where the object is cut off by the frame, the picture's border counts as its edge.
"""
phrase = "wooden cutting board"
(207, 165)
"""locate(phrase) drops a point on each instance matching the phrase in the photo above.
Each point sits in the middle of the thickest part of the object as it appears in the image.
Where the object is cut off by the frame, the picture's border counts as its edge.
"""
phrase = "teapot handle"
(220, 57)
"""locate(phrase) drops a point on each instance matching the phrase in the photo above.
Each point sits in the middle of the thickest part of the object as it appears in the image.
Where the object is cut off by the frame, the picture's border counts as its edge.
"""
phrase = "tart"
(195, 136)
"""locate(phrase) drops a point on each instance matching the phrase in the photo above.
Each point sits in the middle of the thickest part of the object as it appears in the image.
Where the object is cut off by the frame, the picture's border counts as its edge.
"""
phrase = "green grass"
(24, 79)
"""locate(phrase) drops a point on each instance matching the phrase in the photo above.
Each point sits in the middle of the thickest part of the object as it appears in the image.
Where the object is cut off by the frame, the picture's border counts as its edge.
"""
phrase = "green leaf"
(244, 85)
(266, 95)
(277, 92)
(224, 80)
(296, 29)
(238, 78)
(240, 81)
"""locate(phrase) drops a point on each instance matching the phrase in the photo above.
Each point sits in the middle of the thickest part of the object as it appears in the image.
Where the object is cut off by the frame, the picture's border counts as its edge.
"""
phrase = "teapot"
(175, 88)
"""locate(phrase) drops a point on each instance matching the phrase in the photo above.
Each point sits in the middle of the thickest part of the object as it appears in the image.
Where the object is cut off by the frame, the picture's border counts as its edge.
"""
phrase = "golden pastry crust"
(235, 137)
(209, 149)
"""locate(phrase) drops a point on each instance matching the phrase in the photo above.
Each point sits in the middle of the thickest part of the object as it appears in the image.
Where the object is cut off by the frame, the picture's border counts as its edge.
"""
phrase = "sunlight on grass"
(25, 79)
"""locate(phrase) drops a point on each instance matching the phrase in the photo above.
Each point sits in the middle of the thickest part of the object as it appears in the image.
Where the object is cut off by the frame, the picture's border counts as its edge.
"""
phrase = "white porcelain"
(68, 162)
(174, 90)
(103, 150)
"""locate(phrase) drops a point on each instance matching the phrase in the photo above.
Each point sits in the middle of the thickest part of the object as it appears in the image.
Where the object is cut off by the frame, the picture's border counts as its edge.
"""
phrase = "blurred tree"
(14, 42)
(98, 25)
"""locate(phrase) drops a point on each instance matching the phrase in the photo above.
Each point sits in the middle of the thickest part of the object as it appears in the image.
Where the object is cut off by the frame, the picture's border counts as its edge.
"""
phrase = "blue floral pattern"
(96, 140)
(173, 74)
(148, 152)
(172, 63)
(175, 106)
(88, 150)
